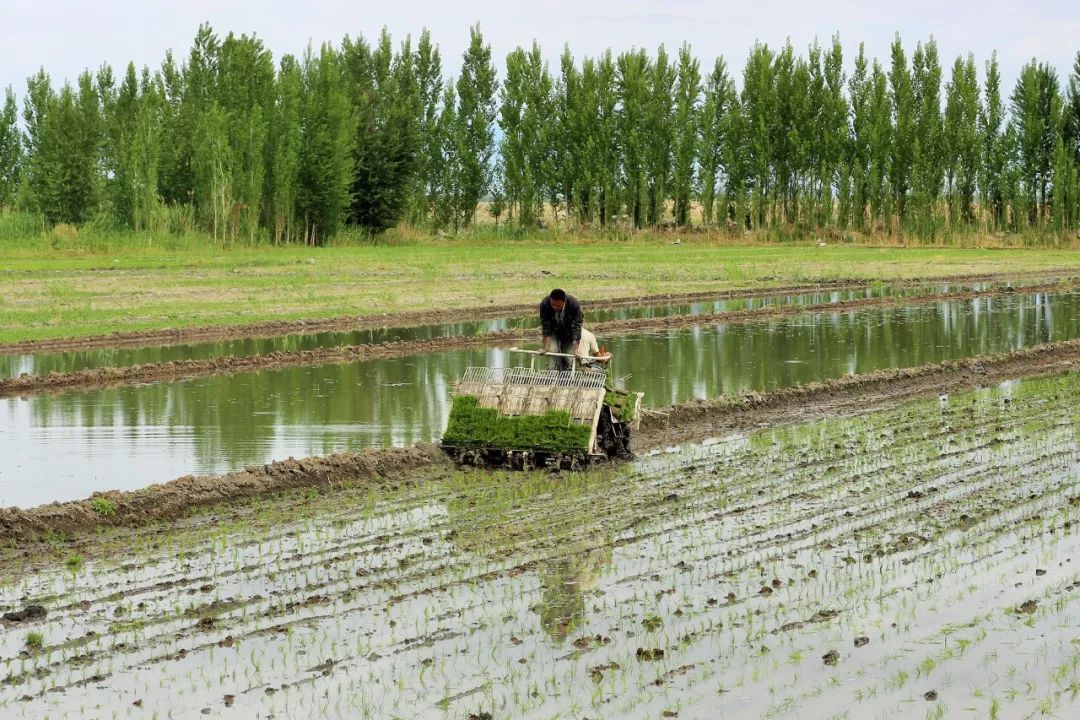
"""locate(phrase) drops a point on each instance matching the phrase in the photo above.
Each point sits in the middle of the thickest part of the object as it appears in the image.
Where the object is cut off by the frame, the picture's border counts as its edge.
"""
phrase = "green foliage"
(10, 151)
(471, 425)
(1036, 112)
(35, 640)
(525, 116)
(473, 139)
(686, 121)
(103, 506)
(64, 143)
(326, 159)
(369, 135)
(387, 102)
(622, 403)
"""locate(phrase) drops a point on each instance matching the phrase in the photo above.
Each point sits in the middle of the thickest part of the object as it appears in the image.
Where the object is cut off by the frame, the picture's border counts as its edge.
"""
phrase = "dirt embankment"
(695, 421)
(189, 369)
(685, 423)
(173, 336)
(178, 497)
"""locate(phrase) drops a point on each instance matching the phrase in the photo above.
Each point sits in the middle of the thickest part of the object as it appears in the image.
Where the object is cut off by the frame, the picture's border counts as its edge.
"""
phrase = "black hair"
(558, 294)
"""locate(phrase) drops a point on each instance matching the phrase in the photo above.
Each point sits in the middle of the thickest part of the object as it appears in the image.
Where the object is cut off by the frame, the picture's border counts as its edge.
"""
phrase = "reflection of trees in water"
(709, 361)
(400, 400)
(396, 401)
(567, 581)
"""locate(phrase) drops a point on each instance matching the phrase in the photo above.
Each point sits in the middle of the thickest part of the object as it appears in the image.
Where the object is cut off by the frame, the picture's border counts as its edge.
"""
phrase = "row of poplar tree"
(372, 135)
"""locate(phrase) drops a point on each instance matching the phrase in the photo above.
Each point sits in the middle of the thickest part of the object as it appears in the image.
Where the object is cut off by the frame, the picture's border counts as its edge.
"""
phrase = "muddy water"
(44, 363)
(916, 562)
(70, 445)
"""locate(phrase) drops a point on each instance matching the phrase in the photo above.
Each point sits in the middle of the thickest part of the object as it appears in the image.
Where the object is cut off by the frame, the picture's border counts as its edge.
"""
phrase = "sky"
(66, 37)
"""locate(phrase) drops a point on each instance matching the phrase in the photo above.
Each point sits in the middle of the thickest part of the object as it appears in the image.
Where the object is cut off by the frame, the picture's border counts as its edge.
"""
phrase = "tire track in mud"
(308, 592)
(181, 370)
(268, 329)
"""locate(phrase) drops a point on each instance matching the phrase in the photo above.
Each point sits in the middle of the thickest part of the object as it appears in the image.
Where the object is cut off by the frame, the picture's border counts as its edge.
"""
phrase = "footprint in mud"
(650, 655)
(862, 640)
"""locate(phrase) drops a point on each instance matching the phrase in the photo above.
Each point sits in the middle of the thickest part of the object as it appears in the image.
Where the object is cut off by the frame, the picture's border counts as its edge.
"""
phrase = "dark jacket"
(572, 318)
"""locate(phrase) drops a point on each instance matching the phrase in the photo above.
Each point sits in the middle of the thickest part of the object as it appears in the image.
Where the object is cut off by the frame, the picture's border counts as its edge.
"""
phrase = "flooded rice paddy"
(67, 446)
(43, 363)
(920, 561)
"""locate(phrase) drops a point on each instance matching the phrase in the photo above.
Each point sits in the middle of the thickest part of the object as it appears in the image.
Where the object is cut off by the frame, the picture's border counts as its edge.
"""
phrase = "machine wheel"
(613, 436)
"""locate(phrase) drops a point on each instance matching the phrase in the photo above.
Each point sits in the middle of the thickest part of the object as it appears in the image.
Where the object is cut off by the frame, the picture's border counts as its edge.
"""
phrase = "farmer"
(560, 323)
(589, 348)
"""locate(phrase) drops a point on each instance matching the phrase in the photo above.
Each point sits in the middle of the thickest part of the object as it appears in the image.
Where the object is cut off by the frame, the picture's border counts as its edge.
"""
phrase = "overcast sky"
(65, 37)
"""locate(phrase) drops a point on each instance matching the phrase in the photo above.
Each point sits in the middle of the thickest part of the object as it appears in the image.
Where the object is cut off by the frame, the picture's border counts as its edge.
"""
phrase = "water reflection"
(69, 445)
(43, 363)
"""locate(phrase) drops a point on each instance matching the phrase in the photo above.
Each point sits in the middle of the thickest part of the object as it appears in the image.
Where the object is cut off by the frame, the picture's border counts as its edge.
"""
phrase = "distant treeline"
(371, 134)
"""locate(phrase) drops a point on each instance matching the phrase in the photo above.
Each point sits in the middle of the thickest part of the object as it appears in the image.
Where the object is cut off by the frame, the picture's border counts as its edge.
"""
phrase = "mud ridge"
(851, 394)
(266, 329)
(376, 466)
(679, 424)
(26, 384)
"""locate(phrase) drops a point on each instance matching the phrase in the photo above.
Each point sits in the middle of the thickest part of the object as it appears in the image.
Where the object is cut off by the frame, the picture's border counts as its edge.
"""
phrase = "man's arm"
(547, 319)
(575, 320)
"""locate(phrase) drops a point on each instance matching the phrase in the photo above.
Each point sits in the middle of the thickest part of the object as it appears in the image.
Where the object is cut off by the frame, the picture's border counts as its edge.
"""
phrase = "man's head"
(558, 299)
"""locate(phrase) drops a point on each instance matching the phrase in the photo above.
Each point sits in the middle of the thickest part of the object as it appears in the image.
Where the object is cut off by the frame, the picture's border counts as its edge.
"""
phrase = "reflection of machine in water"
(567, 581)
(489, 527)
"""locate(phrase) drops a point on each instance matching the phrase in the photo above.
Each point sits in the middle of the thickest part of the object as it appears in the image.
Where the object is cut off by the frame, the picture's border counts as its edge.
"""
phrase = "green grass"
(34, 640)
(103, 507)
(474, 426)
(98, 282)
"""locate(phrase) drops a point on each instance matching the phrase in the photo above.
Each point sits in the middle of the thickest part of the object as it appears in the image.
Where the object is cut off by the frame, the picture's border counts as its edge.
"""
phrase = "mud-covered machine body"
(523, 417)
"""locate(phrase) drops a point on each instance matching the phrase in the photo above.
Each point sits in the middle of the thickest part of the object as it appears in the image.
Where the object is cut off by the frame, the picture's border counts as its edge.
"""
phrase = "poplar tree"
(600, 80)
(474, 127)
(992, 148)
(882, 144)
(633, 70)
(132, 119)
(10, 151)
(447, 166)
(927, 158)
(326, 152)
(1071, 127)
(659, 134)
(687, 97)
(244, 93)
(860, 91)
(962, 140)
(387, 103)
(714, 130)
(903, 135)
(526, 120)
(759, 115)
(285, 139)
(429, 84)
(1036, 112)
(833, 138)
